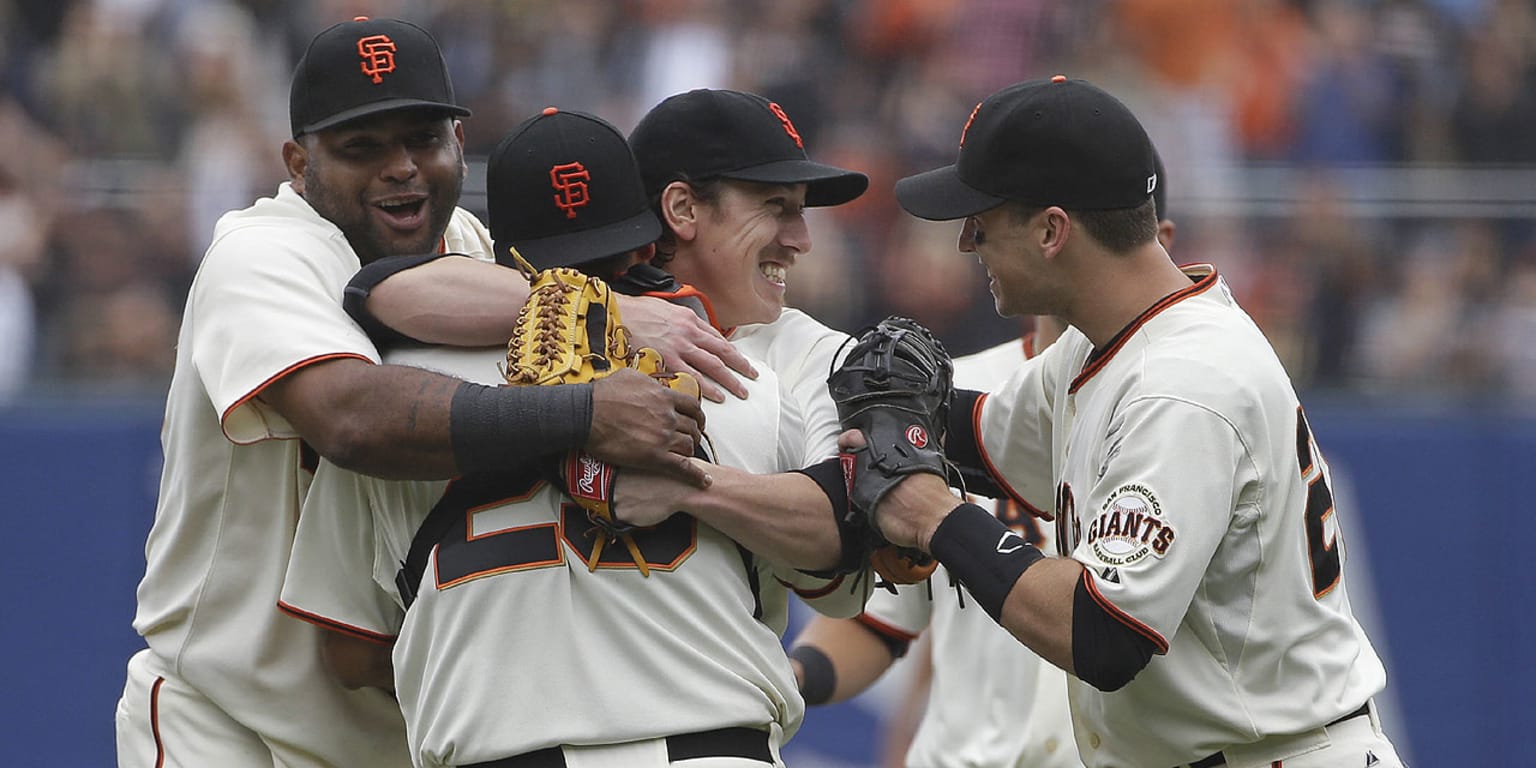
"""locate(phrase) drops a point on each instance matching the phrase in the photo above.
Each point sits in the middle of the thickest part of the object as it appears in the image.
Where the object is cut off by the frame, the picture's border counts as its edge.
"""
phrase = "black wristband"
(852, 525)
(818, 676)
(497, 427)
(985, 555)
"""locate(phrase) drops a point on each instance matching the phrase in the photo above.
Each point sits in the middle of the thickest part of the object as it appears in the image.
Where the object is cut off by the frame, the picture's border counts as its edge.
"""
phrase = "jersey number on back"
(464, 555)
(1321, 547)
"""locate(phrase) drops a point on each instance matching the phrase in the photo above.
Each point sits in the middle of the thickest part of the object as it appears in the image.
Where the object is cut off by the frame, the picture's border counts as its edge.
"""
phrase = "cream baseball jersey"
(266, 301)
(801, 350)
(1192, 491)
(992, 701)
(514, 645)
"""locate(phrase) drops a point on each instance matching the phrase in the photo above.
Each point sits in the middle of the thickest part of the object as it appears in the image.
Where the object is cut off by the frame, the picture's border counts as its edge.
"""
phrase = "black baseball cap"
(563, 189)
(366, 66)
(704, 134)
(1045, 142)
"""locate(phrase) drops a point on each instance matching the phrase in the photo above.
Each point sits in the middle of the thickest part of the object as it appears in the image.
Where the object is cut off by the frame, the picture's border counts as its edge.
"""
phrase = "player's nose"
(399, 163)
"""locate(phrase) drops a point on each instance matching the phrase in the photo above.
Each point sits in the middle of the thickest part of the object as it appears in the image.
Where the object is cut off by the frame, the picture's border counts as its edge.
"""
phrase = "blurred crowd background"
(1362, 171)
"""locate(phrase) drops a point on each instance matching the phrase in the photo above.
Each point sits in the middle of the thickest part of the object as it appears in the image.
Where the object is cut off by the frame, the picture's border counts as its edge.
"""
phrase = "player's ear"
(679, 210)
(1050, 230)
(458, 134)
(296, 160)
(1166, 232)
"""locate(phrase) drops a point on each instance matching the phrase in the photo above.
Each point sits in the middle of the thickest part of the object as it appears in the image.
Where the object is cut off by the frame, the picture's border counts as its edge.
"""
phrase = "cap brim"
(940, 195)
(825, 184)
(388, 105)
(577, 248)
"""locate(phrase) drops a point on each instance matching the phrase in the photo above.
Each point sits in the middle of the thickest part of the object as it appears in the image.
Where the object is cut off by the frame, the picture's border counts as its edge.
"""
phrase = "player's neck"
(1120, 289)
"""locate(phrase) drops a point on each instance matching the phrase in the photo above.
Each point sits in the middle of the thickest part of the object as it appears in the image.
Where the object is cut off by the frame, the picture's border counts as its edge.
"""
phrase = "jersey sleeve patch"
(1130, 527)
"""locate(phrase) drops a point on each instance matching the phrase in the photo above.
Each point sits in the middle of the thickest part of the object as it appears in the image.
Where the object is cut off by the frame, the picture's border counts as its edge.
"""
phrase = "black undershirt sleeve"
(852, 525)
(355, 296)
(1106, 654)
(962, 446)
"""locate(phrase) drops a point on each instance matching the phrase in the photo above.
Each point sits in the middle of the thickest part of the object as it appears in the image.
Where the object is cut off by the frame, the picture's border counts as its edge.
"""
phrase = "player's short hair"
(1118, 230)
(1121, 229)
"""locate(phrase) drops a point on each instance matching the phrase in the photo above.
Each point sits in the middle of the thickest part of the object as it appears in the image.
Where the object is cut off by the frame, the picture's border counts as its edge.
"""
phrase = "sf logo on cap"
(378, 52)
(570, 183)
(968, 121)
(789, 127)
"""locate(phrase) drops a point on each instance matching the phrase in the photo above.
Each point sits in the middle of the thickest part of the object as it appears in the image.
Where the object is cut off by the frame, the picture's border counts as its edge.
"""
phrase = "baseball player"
(271, 372)
(991, 702)
(1201, 611)
(509, 624)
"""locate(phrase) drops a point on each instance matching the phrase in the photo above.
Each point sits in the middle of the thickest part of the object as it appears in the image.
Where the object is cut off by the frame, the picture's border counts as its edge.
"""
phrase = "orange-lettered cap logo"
(789, 127)
(570, 183)
(968, 121)
(378, 52)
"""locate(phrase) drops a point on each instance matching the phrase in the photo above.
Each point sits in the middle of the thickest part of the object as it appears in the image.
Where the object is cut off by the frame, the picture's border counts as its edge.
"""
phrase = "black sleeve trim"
(852, 525)
(962, 446)
(1106, 653)
(355, 296)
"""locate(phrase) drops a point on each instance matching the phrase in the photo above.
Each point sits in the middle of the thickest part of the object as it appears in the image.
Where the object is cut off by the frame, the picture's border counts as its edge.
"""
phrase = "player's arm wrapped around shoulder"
(894, 386)
(569, 332)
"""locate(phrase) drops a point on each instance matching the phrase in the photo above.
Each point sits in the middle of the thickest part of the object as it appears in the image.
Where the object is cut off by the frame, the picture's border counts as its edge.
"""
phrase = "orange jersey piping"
(1100, 358)
(280, 374)
(1121, 616)
(336, 626)
(883, 628)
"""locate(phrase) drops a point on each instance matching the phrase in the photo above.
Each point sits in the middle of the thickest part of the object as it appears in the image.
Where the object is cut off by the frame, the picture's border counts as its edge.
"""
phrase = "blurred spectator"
(1345, 104)
(1511, 329)
(112, 315)
(685, 46)
(109, 91)
(1421, 337)
(21, 252)
(233, 102)
(1495, 120)
(1183, 58)
(1266, 75)
(123, 340)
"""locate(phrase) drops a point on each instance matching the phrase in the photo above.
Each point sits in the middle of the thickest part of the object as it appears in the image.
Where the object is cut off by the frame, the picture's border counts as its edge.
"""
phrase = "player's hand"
(687, 344)
(641, 424)
(912, 510)
(644, 499)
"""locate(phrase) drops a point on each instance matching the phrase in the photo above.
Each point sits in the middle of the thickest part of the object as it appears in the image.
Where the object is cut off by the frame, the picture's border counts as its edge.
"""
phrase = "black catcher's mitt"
(895, 386)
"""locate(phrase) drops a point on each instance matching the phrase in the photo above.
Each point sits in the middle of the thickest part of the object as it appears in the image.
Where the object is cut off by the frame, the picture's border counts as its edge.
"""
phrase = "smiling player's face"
(389, 183)
(1018, 279)
(747, 242)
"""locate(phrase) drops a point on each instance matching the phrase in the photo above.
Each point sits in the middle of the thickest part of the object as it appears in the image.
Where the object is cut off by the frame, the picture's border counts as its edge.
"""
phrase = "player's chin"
(1004, 307)
(767, 309)
(396, 243)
